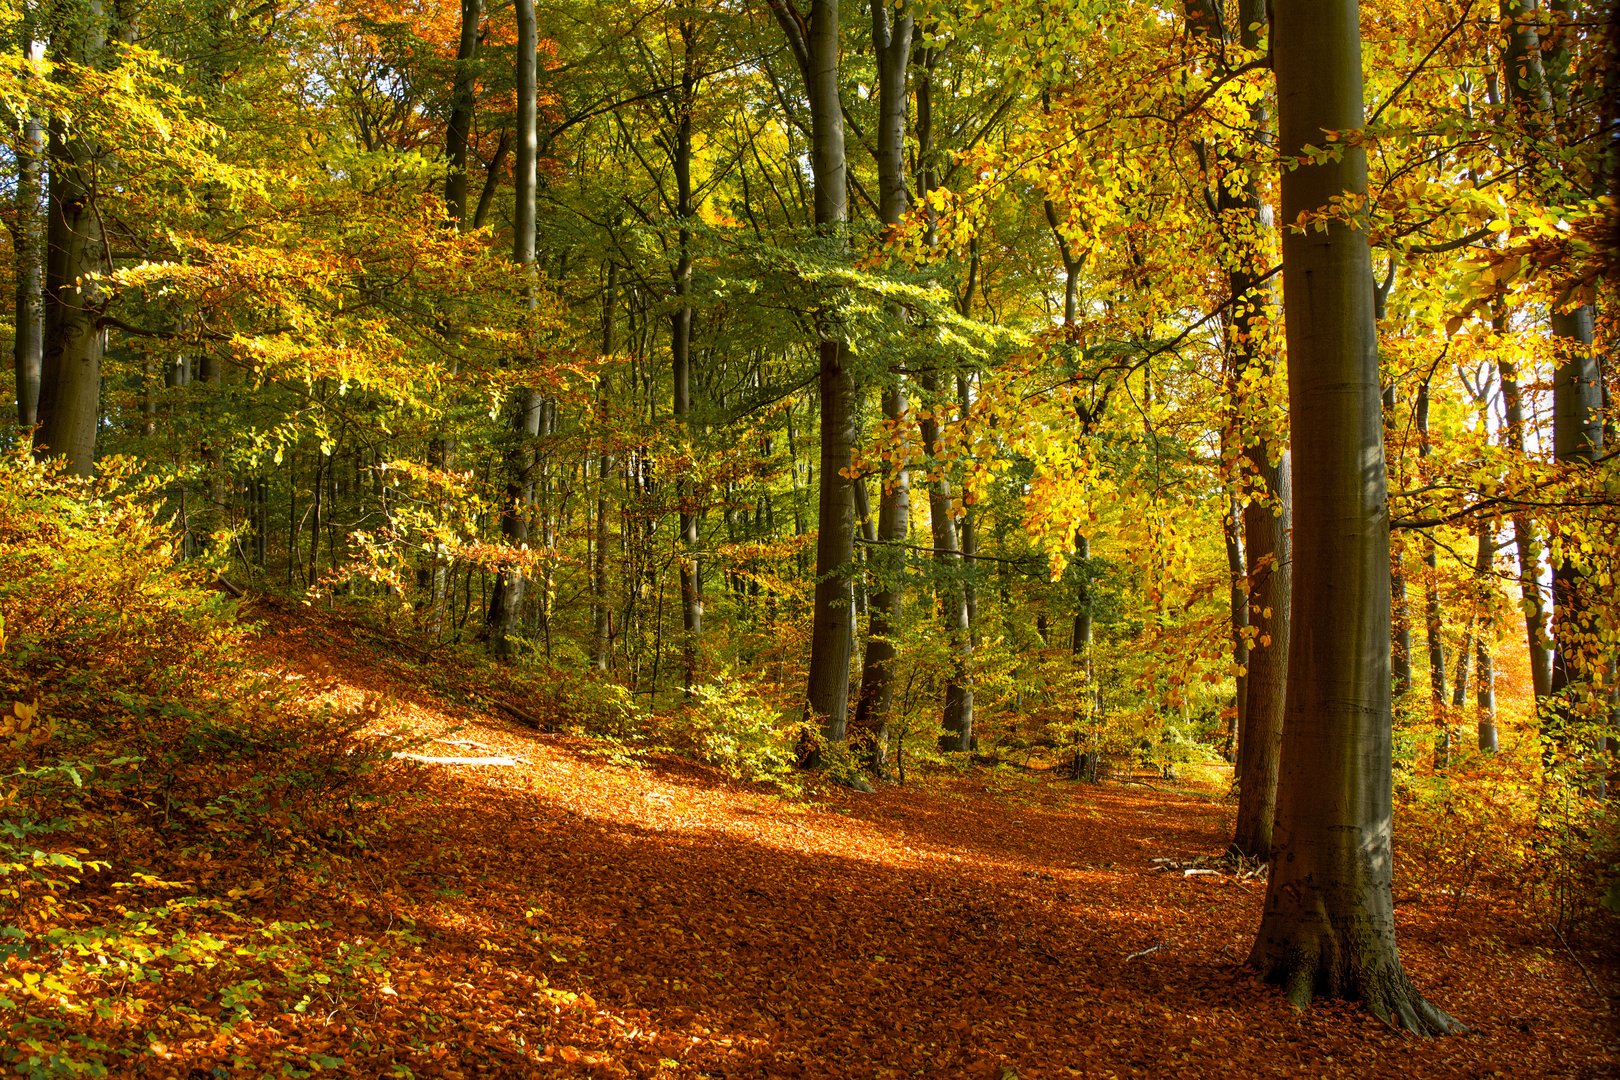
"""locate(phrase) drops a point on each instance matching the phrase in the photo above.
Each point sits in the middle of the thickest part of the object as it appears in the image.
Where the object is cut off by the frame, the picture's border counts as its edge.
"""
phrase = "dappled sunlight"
(644, 918)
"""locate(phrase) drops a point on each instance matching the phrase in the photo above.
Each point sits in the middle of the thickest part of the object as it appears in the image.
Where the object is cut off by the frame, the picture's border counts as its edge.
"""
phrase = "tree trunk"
(1531, 102)
(601, 611)
(1245, 222)
(891, 37)
(506, 599)
(953, 610)
(1485, 638)
(1577, 440)
(70, 366)
(1268, 544)
(28, 241)
(1538, 102)
(1238, 590)
(681, 359)
(1526, 543)
(1433, 628)
(957, 719)
(1328, 927)
(970, 533)
(815, 46)
(463, 99)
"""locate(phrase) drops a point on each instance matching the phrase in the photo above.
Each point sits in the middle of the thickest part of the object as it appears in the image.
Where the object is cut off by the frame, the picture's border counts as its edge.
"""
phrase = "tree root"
(1388, 994)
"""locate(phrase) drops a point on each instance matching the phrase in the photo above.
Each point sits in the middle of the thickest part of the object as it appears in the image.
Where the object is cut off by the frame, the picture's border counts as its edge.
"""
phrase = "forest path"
(581, 917)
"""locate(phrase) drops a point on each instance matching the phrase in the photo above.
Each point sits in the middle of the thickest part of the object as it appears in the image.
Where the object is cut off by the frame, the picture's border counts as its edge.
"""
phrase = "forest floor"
(574, 914)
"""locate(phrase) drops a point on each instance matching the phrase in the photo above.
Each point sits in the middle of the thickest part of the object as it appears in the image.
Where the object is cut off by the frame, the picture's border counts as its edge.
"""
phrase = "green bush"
(729, 725)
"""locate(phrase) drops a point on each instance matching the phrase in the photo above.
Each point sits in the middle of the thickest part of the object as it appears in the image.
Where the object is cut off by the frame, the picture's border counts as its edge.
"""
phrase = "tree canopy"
(843, 394)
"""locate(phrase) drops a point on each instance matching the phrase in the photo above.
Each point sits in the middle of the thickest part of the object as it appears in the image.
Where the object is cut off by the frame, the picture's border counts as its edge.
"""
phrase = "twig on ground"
(1144, 952)
(428, 759)
(518, 714)
(1584, 973)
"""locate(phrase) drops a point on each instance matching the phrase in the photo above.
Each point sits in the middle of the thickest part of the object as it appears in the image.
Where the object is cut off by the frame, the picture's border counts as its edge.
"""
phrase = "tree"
(1245, 223)
(814, 41)
(957, 718)
(75, 255)
(27, 238)
(891, 41)
(528, 407)
(1329, 927)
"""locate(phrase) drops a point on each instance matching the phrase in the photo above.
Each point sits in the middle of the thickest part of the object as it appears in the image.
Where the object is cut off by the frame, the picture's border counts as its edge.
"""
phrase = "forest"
(1008, 538)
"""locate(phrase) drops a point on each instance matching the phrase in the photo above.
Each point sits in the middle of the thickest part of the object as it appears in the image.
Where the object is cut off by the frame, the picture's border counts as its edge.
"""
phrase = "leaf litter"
(564, 915)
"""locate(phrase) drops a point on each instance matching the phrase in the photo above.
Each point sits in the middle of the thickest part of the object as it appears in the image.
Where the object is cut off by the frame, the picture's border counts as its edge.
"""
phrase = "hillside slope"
(566, 915)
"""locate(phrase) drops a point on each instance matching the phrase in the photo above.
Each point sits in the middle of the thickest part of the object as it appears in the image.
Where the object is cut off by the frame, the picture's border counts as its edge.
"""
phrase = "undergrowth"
(153, 790)
(1492, 825)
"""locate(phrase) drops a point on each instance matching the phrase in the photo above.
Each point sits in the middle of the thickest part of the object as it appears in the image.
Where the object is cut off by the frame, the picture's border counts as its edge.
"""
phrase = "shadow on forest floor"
(574, 917)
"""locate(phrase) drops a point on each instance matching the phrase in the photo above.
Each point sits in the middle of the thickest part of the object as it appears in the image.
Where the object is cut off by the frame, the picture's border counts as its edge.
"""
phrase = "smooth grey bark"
(1531, 102)
(1328, 926)
(1459, 681)
(75, 251)
(506, 598)
(28, 240)
(814, 42)
(1071, 262)
(891, 40)
(492, 174)
(1080, 633)
(952, 597)
(680, 348)
(463, 99)
(1244, 221)
(969, 530)
(1268, 544)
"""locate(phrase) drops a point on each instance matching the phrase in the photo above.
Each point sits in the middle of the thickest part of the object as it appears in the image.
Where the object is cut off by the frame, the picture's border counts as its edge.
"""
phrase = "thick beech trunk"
(70, 366)
(463, 99)
(814, 42)
(680, 348)
(1328, 927)
(28, 244)
(891, 38)
(506, 599)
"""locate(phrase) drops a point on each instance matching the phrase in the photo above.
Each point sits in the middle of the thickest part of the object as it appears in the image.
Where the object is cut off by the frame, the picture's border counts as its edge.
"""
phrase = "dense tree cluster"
(1180, 381)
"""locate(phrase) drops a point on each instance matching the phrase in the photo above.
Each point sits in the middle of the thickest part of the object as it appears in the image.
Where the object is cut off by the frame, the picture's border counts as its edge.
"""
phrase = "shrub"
(136, 746)
(732, 726)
